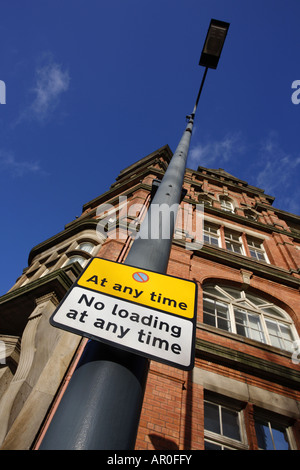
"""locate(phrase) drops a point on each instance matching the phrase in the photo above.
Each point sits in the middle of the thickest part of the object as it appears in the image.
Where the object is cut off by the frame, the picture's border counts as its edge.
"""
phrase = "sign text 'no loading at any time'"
(147, 313)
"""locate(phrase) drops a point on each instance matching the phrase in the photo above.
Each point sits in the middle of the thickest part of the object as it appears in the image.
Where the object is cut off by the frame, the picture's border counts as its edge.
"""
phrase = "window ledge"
(226, 441)
(264, 368)
(242, 339)
(266, 270)
(239, 255)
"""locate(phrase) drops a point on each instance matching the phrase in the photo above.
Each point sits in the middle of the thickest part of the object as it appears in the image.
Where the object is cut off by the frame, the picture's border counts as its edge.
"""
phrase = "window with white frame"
(256, 249)
(73, 259)
(211, 234)
(86, 246)
(245, 314)
(233, 241)
(216, 313)
(223, 424)
(273, 432)
(226, 204)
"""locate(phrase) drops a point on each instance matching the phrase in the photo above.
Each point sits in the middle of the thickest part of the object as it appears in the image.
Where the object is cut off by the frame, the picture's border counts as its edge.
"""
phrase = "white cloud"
(216, 152)
(291, 203)
(50, 82)
(277, 166)
(18, 168)
(277, 173)
(266, 165)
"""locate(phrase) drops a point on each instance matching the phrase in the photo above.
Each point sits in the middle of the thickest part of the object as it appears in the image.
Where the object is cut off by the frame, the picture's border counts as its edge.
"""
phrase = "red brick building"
(244, 391)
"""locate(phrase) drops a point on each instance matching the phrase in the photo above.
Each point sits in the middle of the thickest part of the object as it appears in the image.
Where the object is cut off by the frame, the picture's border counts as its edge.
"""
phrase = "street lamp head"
(214, 42)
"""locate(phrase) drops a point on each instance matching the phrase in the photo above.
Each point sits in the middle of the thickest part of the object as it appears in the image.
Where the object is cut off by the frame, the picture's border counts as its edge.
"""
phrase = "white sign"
(156, 334)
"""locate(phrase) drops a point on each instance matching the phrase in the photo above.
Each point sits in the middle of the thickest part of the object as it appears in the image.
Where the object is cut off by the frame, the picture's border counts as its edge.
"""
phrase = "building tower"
(244, 391)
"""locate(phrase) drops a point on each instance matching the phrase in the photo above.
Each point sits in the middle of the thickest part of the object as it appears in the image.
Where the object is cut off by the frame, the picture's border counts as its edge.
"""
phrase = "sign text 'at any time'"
(167, 293)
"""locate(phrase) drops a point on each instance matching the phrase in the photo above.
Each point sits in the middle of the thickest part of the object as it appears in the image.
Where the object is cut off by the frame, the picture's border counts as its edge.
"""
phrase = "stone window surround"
(246, 393)
(209, 198)
(219, 439)
(57, 256)
(262, 345)
(222, 225)
(224, 198)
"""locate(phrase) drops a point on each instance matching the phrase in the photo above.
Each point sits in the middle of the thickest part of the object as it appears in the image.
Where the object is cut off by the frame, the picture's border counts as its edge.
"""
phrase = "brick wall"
(172, 417)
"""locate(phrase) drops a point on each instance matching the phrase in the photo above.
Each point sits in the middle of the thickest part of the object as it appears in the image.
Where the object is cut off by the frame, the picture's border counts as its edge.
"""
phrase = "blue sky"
(94, 85)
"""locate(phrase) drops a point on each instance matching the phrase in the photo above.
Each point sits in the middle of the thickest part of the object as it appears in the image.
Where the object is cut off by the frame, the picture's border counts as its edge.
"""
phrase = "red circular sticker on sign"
(140, 276)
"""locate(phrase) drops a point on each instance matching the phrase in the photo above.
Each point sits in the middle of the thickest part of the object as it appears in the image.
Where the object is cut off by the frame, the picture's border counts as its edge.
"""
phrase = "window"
(256, 249)
(233, 241)
(86, 246)
(272, 432)
(248, 324)
(74, 259)
(226, 204)
(216, 313)
(280, 335)
(223, 425)
(250, 214)
(205, 199)
(242, 313)
(211, 234)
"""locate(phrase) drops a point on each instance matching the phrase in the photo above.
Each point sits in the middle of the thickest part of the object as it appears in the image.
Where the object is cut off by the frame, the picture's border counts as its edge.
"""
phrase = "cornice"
(113, 199)
(236, 261)
(247, 363)
(134, 173)
(121, 187)
(17, 305)
(227, 180)
(284, 214)
(241, 220)
(70, 230)
(61, 274)
(164, 151)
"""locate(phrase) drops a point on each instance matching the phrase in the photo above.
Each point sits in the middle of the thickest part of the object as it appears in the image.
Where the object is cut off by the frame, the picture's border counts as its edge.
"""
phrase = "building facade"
(244, 391)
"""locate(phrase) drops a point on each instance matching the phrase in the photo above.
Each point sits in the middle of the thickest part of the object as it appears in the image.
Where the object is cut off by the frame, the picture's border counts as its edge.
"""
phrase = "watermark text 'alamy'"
(124, 219)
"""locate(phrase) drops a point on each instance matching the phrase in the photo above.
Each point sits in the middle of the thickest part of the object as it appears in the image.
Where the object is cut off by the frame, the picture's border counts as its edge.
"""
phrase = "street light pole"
(101, 407)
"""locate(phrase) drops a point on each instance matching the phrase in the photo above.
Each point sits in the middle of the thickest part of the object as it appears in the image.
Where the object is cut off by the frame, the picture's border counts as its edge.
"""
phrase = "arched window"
(226, 204)
(247, 315)
(205, 199)
(86, 246)
(73, 259)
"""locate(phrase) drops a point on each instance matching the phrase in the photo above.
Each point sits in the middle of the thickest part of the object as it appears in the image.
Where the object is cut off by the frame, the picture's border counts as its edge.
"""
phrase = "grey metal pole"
(150, 252)
(101, 407)
(152, 249)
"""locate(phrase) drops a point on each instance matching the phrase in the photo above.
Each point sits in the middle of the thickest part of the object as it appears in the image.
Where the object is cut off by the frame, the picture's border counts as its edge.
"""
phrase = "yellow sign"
(162, 292)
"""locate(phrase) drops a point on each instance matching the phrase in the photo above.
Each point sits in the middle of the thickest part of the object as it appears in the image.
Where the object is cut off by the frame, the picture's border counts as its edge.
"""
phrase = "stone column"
(46, 353)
